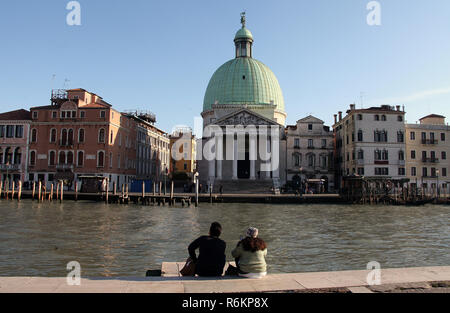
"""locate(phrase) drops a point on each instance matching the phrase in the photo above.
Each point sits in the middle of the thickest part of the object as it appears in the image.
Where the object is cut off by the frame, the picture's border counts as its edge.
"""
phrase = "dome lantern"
(243, 41)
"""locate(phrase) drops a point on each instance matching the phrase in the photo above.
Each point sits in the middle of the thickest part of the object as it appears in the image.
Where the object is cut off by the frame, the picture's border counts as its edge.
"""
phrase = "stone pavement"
(355, 281)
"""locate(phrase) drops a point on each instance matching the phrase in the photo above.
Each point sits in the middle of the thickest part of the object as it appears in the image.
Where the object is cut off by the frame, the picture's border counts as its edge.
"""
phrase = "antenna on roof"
(65, 83)
(361, 98)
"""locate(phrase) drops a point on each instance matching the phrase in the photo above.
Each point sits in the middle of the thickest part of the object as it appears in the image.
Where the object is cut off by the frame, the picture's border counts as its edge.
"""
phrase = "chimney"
(352, 107)
(340, 116)
(398, 108)
(335, 119)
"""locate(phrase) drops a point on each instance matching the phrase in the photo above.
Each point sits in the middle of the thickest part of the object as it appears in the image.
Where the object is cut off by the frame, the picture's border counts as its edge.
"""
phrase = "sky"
(159, 55)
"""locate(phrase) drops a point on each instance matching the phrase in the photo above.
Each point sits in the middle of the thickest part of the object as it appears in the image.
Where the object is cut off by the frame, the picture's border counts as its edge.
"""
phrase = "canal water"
(126, 240)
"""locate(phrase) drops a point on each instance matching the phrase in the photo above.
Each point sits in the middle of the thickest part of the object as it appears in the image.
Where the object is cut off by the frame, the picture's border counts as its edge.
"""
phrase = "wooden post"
(171, 191)
(34, 191)
(76, 190)
(123, 192)
(62, 192)
(57, 191)
(196, 192)
(210, 193)
(154, 188)
(143, 190)
(160, 188)
(115, 188)
(51, 193)
(13, 191)
(39, 191)
(19, 195)
(1, 187)
(107, 191)
(7, 188)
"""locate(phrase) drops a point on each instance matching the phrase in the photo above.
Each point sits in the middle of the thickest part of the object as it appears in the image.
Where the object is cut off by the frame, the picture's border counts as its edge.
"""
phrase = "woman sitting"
(250, 255)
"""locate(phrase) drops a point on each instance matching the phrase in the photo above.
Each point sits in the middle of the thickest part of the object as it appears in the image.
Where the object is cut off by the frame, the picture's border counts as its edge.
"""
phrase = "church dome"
(244, 81)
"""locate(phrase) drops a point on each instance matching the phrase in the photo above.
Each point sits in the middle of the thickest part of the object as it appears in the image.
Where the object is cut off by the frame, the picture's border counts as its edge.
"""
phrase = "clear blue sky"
(160, 55)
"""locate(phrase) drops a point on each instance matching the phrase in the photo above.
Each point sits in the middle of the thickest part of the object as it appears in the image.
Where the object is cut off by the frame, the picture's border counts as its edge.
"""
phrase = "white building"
(370, 143)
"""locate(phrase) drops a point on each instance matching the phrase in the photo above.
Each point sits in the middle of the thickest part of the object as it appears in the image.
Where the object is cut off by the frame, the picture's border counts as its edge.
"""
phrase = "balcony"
(430, 160)
(65, 143)
(311, 147)
(381, 162)
(297, 147)
(12, 167)
(64, 167)
(429, 142)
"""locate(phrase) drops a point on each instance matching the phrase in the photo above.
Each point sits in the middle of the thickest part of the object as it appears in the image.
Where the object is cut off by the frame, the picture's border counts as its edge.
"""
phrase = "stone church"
(243, 120)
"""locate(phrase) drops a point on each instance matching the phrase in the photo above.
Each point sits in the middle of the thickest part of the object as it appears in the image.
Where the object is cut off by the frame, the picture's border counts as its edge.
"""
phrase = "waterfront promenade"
(419, 279)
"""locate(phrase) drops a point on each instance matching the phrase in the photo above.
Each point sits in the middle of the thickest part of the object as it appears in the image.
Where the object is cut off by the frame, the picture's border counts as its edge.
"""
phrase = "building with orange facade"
(81, 136)
(14, 130)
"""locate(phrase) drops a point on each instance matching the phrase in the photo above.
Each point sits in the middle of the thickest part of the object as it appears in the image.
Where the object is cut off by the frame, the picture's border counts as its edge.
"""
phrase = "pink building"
(14, 131)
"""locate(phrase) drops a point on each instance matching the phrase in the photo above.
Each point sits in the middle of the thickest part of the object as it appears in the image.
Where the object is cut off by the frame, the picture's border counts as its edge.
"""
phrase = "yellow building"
(183, 151)
(428, 149)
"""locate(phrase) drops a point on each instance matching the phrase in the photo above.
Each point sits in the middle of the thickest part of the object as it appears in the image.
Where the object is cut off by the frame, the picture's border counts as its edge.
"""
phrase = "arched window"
(311, 160)
(377, 117)
(80, 158)
(53, 135)
(8, 156)
(34, 135)
(62, 157)
(100, 159)
(81, 135)
(32, 158)
(377, 155)
(101, 135)
(383, 118)
(385, 155)
(51, 158)
(70, 157)
(70, 137)
(296, 159)
(64, 137)
(18, 156)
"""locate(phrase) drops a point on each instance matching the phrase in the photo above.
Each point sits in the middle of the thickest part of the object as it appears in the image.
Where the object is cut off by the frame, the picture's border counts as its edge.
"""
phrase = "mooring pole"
(13, 186)
(107, 190)
(19, 195)
(76, 190)
(62, 192)
(39, 191)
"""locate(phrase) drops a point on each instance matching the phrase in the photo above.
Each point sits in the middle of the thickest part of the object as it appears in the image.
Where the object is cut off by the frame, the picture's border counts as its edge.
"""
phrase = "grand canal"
(126, 240)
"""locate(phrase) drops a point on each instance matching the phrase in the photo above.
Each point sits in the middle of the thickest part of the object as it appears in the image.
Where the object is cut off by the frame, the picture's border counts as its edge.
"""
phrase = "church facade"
(243, 121)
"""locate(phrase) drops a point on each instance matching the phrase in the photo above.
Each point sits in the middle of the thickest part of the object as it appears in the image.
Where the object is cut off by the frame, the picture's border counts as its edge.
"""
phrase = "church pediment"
(245, 117)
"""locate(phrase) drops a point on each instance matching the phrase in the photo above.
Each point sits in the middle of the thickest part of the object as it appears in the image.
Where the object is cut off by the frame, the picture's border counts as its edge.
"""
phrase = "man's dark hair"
(215, 230)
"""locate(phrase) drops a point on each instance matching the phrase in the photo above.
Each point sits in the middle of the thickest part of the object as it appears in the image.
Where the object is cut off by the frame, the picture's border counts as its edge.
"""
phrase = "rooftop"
(17, 115)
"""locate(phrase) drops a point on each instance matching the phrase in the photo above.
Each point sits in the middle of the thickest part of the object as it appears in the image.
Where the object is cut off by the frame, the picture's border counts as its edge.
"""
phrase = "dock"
(421, 279)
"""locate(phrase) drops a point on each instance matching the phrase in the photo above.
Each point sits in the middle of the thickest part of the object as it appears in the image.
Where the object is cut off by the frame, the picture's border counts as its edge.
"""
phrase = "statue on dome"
(243, 19)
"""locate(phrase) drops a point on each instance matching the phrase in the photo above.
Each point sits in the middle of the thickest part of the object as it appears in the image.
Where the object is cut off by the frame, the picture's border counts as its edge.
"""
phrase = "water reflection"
(40, 239)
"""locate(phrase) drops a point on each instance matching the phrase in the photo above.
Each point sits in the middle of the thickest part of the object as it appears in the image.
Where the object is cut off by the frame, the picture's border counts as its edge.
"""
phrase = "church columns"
(253, 155)
(235, 160)
(275, 161)
(212, 166)
(219, 156)
(269, 148)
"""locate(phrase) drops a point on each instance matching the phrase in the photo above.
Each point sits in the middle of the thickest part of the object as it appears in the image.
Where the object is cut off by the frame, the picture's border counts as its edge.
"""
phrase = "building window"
(361, 154)
(101, 135)
(400, 136)
(377, 117)
(19, 131)
(81, 135)
(62, 157)
(110, 160)
(70, 157)
(63, 137)
(51, 158)
(112, 137)
(412, 135)
(413, 171)
(360, 135)
(10, 131)
(383, 118)
(401, 171)
(360, 117)
(54, 114)
(310, 126)
(360, 171)
(296, 143)
(296, 159)
(442, 136)
(53, 135)
(34, 135)
(381, 171)
(324, 143)
(70, 137)
(413, 154)
(82, 114)
(100, 159)
(401, 155)
(35, 114)
(425, 172)
(33, 158)
(80, 158)
(102, 114)
(310, 143)
(444, 155)
(2, 131)
(444, 172)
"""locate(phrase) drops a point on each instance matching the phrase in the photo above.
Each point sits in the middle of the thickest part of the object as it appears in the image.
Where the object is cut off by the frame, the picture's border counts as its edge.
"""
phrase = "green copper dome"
(244, 81)
(243, 33)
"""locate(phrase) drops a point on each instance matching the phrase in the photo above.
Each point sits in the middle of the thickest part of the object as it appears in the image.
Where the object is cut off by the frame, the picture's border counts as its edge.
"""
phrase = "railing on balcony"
(64, 166)
(430, 160)
(429, 142)
(12, 167)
